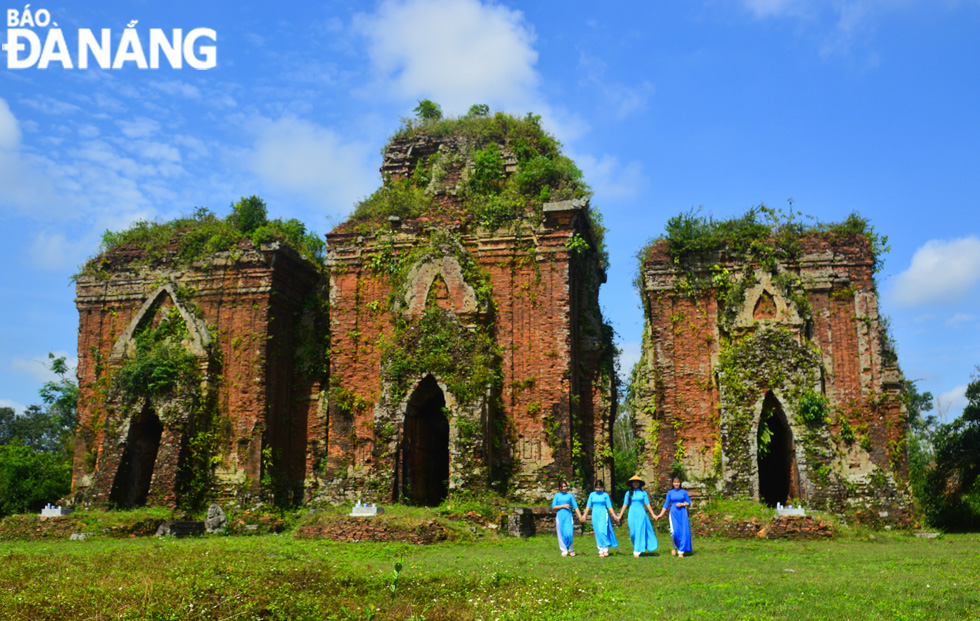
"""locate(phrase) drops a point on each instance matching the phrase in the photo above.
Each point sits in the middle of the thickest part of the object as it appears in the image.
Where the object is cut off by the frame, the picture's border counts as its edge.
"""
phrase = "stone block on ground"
(181, 529)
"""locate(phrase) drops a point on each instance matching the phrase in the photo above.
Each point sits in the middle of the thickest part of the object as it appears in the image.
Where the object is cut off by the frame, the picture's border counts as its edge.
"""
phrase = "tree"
(480, 110)
(919, 441)
(49, 428)
(35, 447)
(428, 110)
(953, 483)
(30, 479)
(61, 396)
(249, 213)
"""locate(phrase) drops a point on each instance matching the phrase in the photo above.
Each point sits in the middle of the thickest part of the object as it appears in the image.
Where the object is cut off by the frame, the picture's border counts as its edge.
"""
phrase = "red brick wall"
(545, 370)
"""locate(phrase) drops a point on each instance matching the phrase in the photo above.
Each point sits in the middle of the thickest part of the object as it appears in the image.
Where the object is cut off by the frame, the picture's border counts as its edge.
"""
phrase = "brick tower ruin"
(766, 372)
(468, 350)
(197, 378)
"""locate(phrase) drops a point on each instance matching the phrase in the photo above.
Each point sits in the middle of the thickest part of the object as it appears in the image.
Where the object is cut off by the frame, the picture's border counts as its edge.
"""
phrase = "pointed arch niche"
(198, 342)
(765, 302)
(444, 277)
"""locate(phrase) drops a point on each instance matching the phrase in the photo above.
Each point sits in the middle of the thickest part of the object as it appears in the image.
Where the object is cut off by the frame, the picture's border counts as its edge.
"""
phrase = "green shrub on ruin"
(188, 239)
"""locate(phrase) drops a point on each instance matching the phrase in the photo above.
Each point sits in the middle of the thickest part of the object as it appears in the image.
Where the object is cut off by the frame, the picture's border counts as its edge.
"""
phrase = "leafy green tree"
(624, 452)
(428, 110)
(34, 429)
(248, 214)
(60, 397)
(29, 479)
(35, 447)
(953, 484)
(46, 428)
(479, 110)
(919, 441)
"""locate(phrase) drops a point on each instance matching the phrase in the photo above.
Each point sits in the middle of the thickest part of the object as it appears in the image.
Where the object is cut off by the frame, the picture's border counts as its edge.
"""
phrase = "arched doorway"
(132, 482)
(424, 451)
(776, 455)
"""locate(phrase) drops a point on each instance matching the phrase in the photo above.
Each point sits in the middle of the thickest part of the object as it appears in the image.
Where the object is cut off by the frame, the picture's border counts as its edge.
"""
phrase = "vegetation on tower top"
(491, 170)
(184, 240)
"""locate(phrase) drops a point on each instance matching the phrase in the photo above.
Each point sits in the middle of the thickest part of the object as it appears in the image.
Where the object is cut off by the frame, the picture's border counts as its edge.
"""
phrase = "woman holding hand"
(678, 500)
(641, 530)
(564, 502)
(602, 518)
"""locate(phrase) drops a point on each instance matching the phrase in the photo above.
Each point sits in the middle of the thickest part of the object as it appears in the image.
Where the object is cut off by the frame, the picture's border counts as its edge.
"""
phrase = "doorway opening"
(778, 478)
(132, 483)
(424, 456)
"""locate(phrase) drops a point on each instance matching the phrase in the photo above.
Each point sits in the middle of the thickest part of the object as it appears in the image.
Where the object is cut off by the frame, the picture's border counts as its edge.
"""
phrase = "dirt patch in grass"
(797, 527)
(786, 527)
(354, 529)
(715, 524)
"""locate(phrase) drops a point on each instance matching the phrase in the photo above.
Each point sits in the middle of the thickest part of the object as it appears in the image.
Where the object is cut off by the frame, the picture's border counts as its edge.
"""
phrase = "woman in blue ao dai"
(602, 518)
(564, 502)
(678, 500)
(641, 529)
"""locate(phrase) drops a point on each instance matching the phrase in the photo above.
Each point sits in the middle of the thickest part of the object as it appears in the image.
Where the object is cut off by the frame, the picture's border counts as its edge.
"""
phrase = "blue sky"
(841, 105)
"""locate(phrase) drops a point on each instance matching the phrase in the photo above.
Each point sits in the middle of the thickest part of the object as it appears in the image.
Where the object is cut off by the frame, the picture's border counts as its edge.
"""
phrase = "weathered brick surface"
(548, 366)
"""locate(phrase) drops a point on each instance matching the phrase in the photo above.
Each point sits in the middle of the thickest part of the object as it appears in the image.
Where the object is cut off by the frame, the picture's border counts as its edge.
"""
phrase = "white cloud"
(941, 271)
(959, 319)
(843, 25)
(18, 407)
(610, 179)
(177, 87)
(455, 52)
(88, 131)
(50, 105)
(38, 367)
(622, 99)
(629, 355)
(950, 404)
(195, 147)
(53, 251)
(9, 131)
(139, 128)
(303, 157)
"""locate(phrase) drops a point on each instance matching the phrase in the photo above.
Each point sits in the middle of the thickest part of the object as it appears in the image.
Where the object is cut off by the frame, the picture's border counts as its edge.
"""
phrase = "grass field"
(278, 577)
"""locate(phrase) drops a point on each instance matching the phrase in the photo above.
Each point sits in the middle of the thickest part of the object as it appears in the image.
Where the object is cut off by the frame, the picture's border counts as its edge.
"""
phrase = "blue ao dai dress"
(564, 523)
(680, 527)
(600, 503)
(641, 530)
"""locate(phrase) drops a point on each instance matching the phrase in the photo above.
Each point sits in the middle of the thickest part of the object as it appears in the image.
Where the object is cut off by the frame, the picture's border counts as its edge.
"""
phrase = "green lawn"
(279, 577)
